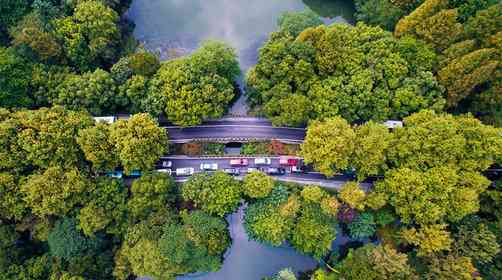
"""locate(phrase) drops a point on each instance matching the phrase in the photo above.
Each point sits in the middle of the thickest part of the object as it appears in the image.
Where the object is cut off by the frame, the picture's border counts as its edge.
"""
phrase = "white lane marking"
(235, 125)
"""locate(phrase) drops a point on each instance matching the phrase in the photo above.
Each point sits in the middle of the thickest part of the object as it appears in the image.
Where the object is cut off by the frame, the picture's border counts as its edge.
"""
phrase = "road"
(234, 129)
(310, 178)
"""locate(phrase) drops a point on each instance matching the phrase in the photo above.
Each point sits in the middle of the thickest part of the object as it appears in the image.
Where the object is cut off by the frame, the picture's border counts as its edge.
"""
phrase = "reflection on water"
(249, 260)
(174, 27)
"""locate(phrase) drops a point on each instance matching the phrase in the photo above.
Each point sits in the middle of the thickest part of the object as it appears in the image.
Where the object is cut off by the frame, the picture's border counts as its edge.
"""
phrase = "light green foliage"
(314, 231)
(313, 194)
(196, 87)
(372, 143)
(378, 12)
(139, 142)
(12, 205)
(106, 209)
(352, 195)
(293, 23)
(217, 194)
(55, 191)
(90, 35)
(440, 30)
(477, 243)
(430, 139)
(151, 193)
(438, 194)
(143, 63)
(15, 75)
(329, 145)
(195, 245)
(257, 184)
(372, 262)
(48, 136)
(429, 239)
(359, 73)
(95, 143)
(363, 226)
(92, 91)
(409, 23)
(67, 242)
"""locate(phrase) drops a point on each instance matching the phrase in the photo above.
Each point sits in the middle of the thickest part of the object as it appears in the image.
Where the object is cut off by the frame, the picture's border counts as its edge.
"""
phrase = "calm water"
(176, 27)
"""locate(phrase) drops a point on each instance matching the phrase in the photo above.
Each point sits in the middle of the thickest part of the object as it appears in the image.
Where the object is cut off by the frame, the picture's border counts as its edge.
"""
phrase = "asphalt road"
(309, 178)
(235, 129)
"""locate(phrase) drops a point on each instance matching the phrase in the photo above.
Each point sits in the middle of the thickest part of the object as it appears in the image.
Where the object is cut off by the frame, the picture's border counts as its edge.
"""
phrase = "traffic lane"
(222, 163)
(235, 131)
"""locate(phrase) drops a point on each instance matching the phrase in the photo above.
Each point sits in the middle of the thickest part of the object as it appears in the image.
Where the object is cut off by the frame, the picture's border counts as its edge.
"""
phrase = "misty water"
(176, 27)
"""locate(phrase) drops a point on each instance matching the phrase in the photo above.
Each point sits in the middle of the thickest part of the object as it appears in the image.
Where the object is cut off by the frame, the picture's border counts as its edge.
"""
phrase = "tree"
(92, 91)
(363, 226)
(371, 144)
(329, 145)
(378, 12)
(197, 87)
(479, 244)
(451, 267)
(372, 262)
(409, 23)
(48, 136)
(484, 24)
(139, 142)
(439, 194)
(257, 184)
(134, 94)
(10, 12)
(151, 193)
(144, 63)
(293, 23)
(440, 30)
(430, 239)
(89, 35)
(30, 33)
(11, 153)
(55, 191)
(352, 194)
(95, 143)
(217, 194)
(15, 75)
(67, 242)
(106, 209)
(12, 205)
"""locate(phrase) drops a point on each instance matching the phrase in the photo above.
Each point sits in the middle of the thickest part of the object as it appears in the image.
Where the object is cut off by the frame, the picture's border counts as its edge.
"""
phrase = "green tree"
(485, 23)
(92, 91)
(257, 184)
(139, 142)
(429, 239)
(293, 23)
(451, 267)
(151, 193)
(440, 30)
(217, 194)
(409, 23)
(479, 244)
(67, 242)
(134, 94)
(329, 145)
(12, 205)
(10, 12)
(352, 195)
(372, 142)
(15, 75)
(378, 12)
(363, 226)
(106, 208)
(55, 191)
(95, 143)
(197, 87)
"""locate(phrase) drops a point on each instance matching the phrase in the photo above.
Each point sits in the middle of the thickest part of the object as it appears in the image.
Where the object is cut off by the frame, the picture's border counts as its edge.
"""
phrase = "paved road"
(310, 178)
(235, 129)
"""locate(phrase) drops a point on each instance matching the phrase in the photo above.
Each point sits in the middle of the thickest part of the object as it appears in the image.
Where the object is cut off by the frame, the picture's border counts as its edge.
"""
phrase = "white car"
(186, 171)
(262, 161)
(252, 169)
(209, 166)
(165, 170)
(167, 163)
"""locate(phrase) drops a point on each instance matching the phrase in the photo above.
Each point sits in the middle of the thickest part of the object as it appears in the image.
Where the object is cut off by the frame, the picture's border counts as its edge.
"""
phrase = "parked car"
(115, 174)
(297, 169)
(165, 170)
(135, 173)
(262, 161)
(289, 161)
(186, 171)
(252, 169)
(167, 163)
(232, 171)
(275, 171)
(239, 162)
(207, 166)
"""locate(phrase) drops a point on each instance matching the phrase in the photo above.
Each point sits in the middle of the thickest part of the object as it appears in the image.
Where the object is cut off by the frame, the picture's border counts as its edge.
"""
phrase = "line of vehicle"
(185, 140)
(235, 125)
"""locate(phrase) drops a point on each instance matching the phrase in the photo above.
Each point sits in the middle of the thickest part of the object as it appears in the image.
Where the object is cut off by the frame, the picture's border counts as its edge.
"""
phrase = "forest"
(433, 212)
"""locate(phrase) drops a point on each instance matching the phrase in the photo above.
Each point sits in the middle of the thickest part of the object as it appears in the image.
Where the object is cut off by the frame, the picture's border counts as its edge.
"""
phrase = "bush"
(255, 148)
(276, 147)
(192, 149)
(213, 149)
(363, 226)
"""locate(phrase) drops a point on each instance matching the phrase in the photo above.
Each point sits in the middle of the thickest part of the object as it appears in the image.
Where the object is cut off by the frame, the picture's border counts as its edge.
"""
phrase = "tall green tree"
(257, 184)
(97, 147)
(15, 76)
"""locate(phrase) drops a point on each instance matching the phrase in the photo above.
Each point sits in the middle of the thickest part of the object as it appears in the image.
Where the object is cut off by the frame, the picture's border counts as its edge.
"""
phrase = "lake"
(175, 28)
